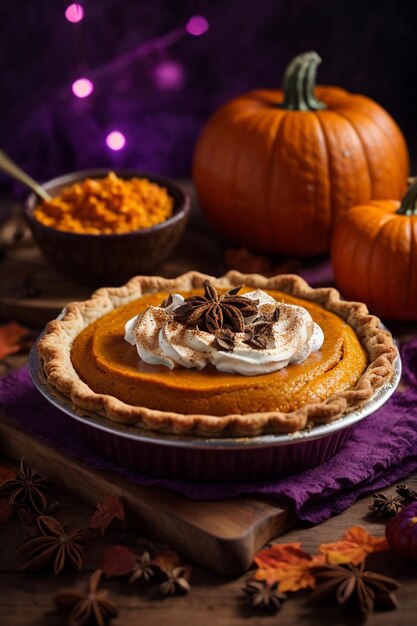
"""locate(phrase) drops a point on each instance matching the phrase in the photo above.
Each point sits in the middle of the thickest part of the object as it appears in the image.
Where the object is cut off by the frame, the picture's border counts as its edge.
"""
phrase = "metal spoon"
(9, 167)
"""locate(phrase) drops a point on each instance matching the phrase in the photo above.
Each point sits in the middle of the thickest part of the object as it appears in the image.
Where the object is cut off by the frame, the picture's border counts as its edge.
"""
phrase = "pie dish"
(84, 356)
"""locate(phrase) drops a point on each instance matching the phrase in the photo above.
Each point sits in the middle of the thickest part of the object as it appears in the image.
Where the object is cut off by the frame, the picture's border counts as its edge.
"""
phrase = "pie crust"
(56, 343)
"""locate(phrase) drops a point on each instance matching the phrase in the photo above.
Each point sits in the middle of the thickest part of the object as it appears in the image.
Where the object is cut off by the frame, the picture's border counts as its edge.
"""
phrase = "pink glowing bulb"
(82, 87)
(74, 12)
(115, 140)
(197, 25)
(169, 75)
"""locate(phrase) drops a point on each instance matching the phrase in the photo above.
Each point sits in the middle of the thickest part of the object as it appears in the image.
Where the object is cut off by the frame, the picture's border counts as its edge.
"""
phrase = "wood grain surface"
(27, 599)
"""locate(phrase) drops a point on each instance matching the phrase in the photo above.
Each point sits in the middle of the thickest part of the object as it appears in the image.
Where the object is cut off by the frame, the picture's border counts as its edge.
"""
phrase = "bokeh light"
(82, 87)
(197, 25)
(169, 75)
(74, 12)
(115, 140)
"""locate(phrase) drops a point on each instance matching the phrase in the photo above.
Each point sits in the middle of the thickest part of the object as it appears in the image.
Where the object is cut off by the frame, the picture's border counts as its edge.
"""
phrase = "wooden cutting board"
(219, 535)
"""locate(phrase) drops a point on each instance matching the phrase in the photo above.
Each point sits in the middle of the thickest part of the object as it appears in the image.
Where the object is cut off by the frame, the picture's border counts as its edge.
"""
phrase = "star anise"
(258, 335)
(91, 605)
(176, 581)
(406, 494)
(350, 584)
(28, 488)
(212, 312)
(54, 544)
(386, 506)
(264, 597)
(225, 339)
(167, 301)
(142, 570)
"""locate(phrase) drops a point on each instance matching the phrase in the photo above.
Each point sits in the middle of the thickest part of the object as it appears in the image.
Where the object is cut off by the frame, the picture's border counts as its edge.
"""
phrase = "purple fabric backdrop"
(365, 48)
(381, 451)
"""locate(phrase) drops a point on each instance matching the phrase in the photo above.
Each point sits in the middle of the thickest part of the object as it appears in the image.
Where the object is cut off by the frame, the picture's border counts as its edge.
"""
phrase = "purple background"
(368, 47)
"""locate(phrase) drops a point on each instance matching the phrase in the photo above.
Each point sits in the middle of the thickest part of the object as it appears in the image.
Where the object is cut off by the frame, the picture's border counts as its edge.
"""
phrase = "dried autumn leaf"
(281, 553)
(110, 509)
(247, 262)
(11, 338)
(363, 538)
(355, 546)
(6, 511)
(167, 561)
(292, 571)
(6, 474)
(289, 577)
(118, 561)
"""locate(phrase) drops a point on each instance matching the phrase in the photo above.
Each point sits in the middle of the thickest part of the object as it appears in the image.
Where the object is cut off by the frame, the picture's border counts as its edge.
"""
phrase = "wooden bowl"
(109, 259)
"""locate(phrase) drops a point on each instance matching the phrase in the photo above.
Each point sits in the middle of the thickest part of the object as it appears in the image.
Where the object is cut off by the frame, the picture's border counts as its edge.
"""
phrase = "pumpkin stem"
(299, 83)
(409, 202)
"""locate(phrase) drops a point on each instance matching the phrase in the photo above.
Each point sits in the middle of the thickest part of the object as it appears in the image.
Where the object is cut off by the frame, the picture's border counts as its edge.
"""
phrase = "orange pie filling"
(109, 365)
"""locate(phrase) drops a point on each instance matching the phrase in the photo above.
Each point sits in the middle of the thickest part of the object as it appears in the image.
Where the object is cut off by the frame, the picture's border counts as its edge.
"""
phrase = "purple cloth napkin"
(381, 451)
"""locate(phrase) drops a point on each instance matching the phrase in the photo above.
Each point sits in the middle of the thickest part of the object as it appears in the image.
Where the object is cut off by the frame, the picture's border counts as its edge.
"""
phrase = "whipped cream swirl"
(161, 340)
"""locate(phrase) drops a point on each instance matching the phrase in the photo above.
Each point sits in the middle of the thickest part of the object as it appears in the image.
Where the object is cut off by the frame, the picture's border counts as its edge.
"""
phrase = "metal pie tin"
(212, 459)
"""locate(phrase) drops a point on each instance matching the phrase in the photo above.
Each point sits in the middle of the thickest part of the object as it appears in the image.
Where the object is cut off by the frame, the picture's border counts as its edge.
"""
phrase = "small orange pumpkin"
(374, 256)
(274, 169)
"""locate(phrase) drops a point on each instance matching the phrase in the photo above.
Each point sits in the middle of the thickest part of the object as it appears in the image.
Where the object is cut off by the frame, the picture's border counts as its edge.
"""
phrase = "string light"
(115, 140)
(74, 13)
(169, 75)
(197, 25)
(82, 87)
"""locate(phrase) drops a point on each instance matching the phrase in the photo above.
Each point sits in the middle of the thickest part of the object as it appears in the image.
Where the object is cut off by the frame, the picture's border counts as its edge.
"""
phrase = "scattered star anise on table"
(406, 494)
(351, 584)
(386, 506)
(87, 606)
(142, 569)
(213, 312)
(264, 597)
(28, 489)
(176, 582)
(54, 544)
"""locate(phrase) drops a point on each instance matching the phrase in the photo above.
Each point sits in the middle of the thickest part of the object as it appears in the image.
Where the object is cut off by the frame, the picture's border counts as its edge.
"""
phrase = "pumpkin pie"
(220, 390)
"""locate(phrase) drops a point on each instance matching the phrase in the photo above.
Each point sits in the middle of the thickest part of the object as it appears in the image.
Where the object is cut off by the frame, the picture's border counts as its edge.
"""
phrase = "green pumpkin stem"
(299, 83)
(409, 202)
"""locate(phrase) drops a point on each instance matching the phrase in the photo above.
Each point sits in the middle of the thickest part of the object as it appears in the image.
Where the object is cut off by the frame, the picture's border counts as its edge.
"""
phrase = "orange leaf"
(167, 560)
(6, 474)
(110, 509)
(281, 553)
(355, 546)
(291, 576)
(288, 565)
(11, 336)
(363, 538)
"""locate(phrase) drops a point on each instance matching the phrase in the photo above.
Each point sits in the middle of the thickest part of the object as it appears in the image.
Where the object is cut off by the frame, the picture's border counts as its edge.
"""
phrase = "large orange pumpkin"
(275, 169)
(374, 256)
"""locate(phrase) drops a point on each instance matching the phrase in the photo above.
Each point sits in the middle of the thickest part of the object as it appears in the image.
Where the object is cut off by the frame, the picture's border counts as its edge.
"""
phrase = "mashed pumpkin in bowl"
(106, 206)
(102, 228)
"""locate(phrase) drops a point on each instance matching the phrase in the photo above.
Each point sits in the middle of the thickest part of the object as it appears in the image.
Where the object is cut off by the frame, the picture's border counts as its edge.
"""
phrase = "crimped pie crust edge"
(55, 352)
